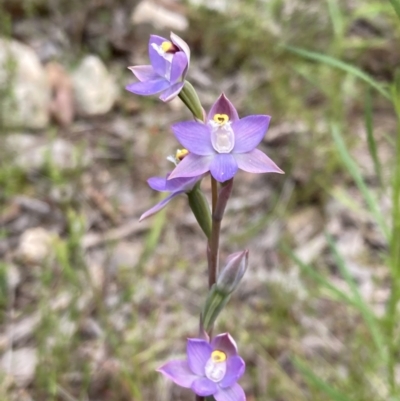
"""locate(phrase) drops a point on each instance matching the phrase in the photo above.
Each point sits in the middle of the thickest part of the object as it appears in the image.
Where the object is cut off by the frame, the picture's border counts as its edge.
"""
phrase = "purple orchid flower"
(223, 144)
(176, 186)
(210, 368)
(169, 64)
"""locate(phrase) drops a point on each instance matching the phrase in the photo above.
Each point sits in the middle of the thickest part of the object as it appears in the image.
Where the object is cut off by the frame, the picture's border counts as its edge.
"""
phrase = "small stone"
(20, 365)
(13, 277)
(35, 245)
(24, 328)
(24, 80)
(95, 90)
(217, 5)
(62, 101)
(32, 154)
(90, 329)
(158, 16)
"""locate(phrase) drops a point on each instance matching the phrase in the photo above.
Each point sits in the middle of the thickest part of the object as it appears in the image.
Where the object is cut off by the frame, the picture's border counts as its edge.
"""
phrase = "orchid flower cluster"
(216, 144)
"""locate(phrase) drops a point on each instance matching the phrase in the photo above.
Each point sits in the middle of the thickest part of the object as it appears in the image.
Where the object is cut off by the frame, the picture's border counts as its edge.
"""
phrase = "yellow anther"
(181, 153)
(221, 118)
(218, 356)
(167, 46)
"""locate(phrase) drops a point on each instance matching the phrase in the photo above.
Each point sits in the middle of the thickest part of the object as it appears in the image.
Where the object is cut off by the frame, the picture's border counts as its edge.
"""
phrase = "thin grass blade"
(368, 316)
(396, 6)
(318, 383)
(357, 177)
(333, 62)
(340, 295)
(370, 136)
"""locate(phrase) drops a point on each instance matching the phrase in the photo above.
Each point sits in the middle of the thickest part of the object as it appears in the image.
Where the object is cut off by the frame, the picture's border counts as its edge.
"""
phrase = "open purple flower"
(176, 186)
(223, 144)
(169, 64)
(210, 368)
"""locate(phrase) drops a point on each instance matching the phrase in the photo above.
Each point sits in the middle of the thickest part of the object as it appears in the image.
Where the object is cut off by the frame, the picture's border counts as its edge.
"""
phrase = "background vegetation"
(110, 299)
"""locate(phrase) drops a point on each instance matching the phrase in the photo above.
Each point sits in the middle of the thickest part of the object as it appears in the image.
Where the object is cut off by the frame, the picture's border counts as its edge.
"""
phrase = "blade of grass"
(340, 295)
(396, 6)
(322, 58)
(370, 136)
(336, 18)
(357, 177)
(368, 316)
(394, 259)
(318, 383)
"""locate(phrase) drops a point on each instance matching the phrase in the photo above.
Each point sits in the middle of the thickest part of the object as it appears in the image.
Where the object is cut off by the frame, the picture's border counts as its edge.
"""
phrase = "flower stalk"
(219, 144)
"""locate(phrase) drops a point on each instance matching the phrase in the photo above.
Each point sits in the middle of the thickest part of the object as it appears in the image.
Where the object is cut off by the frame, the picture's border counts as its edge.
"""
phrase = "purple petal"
(159, 63)
(158, 183)
(223, 106)
(224, 342)
(176, 40)
(178, 371)
(149, 87)
(179, 63)
(160, 205)
(204, 387)
(249, 132)
(181, 184)
(144, 72)
(198, 353)
(191, 166)
(235, 368)
(171, 92)
(194, 136)
(233, 393)
(256, 162)
(223, 167)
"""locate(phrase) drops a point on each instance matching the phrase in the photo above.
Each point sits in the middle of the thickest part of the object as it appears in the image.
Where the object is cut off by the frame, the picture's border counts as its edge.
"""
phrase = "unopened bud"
(232, 273)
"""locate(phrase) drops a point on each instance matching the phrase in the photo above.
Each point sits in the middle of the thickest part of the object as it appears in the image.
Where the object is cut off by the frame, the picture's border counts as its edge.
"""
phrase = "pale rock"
(20, 365)
(13, 277)
(222, 6)
(35, 245)
(32, 153)
(62, 101)
(24, 328)
(22, 74)
(158, 16)
(95, 90)
(311, 250)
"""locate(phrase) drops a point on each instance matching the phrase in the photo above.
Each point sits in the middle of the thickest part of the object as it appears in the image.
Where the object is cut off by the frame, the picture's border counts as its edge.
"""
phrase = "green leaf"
(328, 60)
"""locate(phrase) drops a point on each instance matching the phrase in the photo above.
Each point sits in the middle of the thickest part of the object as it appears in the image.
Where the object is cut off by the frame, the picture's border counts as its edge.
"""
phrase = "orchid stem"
(217, 215)
(214, 193)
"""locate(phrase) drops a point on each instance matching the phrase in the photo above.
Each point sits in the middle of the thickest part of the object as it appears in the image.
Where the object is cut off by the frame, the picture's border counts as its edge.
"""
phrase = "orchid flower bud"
(233, 271)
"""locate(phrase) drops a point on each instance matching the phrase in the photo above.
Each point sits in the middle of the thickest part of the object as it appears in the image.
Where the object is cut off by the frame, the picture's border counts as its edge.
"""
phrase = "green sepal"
(216, 301)
(200, 208)
(189, 96)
